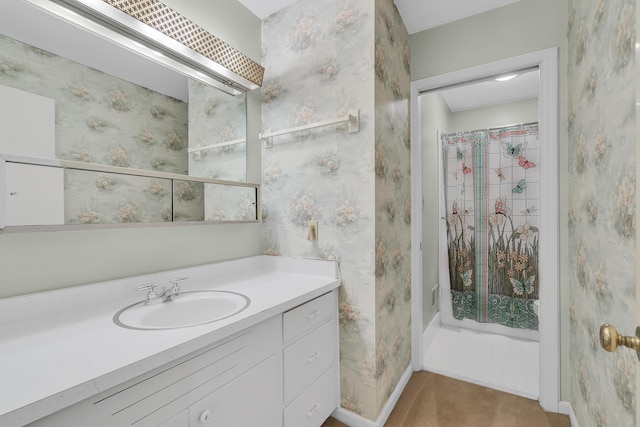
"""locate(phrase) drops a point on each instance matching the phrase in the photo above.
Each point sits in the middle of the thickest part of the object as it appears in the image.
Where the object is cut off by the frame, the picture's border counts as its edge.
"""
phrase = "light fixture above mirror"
(162, 29)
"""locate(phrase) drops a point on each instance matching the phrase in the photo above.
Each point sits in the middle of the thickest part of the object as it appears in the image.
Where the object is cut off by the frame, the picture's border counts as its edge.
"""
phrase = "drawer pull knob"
(205, 416)
(312, 315)
(313, 410)
(315, 356)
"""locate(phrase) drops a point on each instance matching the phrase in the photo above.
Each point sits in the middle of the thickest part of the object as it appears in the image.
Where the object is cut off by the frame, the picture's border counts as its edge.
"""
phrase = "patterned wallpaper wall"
(602, 214)
(393, 198)
(321, 61)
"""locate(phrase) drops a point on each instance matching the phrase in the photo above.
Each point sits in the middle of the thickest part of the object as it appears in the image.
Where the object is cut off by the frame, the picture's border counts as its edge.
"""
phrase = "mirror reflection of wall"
(103, 119)
(226, 203)
(217, 119)
(104, 198)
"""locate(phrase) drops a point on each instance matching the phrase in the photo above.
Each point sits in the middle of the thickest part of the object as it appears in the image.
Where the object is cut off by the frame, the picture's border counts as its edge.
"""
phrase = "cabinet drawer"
(305, 317)
(308, 358)
(315, 405)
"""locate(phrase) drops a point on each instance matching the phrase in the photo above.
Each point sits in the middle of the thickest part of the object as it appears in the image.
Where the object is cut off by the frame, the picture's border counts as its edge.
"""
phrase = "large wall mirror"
(103, 134)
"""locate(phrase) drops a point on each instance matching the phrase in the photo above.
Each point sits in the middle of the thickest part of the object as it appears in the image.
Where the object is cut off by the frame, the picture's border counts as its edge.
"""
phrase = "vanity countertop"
(60, 347)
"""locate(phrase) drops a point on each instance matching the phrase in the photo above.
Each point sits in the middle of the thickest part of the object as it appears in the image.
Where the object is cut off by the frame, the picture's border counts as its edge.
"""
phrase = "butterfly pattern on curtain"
(492, 193)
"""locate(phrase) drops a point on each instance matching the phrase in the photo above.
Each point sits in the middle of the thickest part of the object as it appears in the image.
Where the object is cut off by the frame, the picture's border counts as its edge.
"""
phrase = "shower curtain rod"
(493, 128)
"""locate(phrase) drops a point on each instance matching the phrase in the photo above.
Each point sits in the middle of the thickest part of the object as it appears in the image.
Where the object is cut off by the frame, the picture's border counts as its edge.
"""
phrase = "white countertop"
(58, 348)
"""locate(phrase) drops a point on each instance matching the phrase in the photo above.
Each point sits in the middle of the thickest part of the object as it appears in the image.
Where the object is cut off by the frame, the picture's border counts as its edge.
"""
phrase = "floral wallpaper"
(602, 213)
(103, 119)
(392, 171)
(321, 61)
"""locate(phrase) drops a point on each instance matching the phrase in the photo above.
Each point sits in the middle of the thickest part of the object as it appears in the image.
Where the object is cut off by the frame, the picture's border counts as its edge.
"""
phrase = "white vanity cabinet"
(180, 420)
(233, 378)
(310, 355)
(307, 372)
(280, 372)
(273, 364)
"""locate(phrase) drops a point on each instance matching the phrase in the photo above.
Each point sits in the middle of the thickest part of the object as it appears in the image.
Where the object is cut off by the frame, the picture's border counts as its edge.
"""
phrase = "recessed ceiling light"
(506, 78)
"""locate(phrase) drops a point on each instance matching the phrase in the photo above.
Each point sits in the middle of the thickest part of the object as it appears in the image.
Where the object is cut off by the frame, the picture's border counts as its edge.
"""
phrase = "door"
(623, 366)
(613, 341)
(603, 164)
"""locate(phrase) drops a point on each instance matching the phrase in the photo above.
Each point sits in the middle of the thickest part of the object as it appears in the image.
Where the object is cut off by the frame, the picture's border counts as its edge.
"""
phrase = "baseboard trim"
(429, 335)
(355, 420)
(565, 408)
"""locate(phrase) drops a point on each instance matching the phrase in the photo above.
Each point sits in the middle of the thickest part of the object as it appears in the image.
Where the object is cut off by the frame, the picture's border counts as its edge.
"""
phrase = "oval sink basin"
(190, 309)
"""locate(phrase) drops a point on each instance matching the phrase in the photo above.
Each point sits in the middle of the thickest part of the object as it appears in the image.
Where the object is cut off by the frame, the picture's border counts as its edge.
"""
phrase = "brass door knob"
(610, 339)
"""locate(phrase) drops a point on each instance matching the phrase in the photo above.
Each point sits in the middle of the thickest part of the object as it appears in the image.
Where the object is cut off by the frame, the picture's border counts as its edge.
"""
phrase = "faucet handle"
(175, 286)
(151, 288)
(178, 280)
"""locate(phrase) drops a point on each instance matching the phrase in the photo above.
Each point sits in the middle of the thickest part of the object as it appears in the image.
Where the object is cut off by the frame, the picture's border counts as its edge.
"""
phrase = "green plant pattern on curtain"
(492, 190)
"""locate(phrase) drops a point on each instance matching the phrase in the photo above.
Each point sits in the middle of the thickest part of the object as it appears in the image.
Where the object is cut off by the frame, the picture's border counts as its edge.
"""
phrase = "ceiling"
(418, 15)
(492, 92)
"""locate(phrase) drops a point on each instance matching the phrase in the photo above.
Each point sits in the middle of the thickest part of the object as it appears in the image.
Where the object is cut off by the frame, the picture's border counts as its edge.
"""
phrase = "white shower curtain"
(491, 190)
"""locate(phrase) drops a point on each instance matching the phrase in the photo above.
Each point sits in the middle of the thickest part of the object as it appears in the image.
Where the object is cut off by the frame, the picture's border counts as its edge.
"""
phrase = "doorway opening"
(540, 67)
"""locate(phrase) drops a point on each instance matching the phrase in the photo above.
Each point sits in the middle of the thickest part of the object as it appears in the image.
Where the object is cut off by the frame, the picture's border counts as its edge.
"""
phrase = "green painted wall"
(435, 116)
(496, 115)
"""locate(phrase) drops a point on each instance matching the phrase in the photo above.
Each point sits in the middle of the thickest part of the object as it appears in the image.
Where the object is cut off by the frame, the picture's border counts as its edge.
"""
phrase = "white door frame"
(548, 274)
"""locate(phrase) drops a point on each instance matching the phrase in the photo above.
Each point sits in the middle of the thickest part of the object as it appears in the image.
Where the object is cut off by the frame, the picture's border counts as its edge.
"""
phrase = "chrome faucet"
(164, 295)
(174, 291)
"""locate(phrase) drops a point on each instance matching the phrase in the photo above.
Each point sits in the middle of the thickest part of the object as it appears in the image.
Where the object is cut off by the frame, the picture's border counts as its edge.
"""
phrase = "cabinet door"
(253, 399)
(180, 420)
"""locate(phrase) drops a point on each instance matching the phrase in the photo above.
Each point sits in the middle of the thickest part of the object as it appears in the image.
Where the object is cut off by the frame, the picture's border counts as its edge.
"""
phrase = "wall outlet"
(312, 230)
(435, 297)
